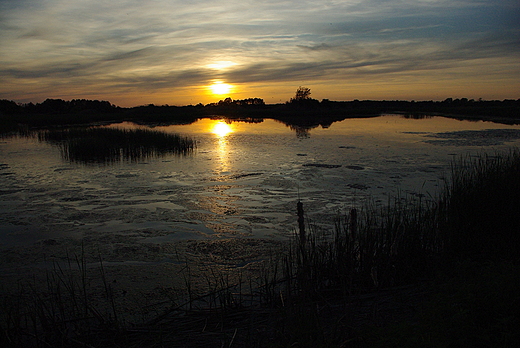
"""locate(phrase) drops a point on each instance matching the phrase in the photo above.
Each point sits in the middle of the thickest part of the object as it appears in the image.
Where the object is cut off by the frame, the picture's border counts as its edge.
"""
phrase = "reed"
(479, 207)
(370, 248)
(410, 240)
(379, 246)
(61, 313)
(109, 145)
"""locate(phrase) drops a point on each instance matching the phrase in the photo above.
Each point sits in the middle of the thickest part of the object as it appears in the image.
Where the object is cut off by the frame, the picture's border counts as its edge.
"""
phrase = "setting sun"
(220, 88)
(221, 129)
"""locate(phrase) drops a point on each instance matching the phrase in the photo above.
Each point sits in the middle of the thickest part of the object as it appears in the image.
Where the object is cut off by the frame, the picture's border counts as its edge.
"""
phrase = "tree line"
(300, 108)
(57, 106)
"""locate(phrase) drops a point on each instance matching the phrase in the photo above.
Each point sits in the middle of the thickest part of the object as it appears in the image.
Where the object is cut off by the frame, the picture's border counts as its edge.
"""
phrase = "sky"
(134, 52)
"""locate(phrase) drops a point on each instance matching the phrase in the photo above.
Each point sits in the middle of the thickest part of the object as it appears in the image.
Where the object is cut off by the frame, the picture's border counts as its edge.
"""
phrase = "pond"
(242, 180)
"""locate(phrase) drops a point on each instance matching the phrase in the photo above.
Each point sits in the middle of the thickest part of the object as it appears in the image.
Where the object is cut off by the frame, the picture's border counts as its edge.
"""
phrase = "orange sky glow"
(180, 53)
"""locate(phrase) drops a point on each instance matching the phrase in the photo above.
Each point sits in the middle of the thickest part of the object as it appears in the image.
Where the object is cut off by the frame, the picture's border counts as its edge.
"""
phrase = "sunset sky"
(134, 52)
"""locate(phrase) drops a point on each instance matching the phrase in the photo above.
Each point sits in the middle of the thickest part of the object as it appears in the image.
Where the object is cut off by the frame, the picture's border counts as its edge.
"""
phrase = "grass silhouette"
(109, 145)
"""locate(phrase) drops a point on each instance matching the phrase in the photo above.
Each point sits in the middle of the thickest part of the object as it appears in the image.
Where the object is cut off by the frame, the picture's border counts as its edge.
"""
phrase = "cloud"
(158, 44)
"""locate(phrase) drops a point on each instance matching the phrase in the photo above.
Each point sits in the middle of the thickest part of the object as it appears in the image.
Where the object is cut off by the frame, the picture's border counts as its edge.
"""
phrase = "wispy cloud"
(151, 46)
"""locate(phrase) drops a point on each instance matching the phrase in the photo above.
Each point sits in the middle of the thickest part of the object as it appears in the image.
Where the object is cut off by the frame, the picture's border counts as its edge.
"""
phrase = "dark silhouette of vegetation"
(381, 246)
(9, 107)
(302, 93)
(53, 112)
(462, 251)
(302, 99)
(59, 106)
(300, 111)
(109, 145)
(249, 102)
(478, 207)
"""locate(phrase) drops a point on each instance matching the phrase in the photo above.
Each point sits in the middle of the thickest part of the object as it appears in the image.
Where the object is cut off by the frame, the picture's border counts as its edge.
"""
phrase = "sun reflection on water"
(222, 129)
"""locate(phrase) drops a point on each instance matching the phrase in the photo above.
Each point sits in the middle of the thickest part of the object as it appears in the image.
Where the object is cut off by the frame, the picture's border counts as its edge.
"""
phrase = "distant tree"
(48, 106)
(250, 102)
(302, 93)
(227, 101)
(9, 107)
(326, 103)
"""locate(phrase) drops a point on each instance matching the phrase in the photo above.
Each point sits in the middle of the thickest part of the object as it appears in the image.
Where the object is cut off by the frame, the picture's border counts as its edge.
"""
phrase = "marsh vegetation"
(109, 145)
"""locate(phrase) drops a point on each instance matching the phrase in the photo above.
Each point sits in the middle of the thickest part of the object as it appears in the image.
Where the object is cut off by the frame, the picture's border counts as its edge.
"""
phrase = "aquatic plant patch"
(109, 145)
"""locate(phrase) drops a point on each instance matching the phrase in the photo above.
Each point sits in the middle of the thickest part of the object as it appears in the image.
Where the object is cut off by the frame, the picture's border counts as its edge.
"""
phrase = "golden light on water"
(221, 129)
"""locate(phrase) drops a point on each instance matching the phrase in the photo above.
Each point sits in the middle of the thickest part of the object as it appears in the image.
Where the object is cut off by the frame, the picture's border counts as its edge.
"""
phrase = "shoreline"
(304, 113)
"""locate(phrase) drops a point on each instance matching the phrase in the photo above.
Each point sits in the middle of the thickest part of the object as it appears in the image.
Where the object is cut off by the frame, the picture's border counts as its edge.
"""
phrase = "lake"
(242, 181)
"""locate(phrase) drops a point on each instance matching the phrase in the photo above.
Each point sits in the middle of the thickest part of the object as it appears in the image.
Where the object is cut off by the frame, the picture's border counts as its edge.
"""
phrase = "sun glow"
(220, 87)
(220, 65)
(221, 129)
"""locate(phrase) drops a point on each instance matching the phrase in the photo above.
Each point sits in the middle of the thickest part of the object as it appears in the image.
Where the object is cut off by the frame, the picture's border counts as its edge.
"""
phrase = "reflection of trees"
(230, 120)
(301, 132)
(416, 116)
(303, 127)
(85, 111)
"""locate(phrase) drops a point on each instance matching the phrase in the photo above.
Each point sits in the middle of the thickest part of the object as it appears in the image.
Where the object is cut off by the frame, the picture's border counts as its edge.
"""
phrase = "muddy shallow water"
(231, 200)
(241, 184)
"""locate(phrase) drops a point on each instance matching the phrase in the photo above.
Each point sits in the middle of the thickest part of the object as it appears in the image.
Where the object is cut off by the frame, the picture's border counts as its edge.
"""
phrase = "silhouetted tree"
(250, 102)
(226, 102)
(302, 93)
(52, 106)
(9, 107)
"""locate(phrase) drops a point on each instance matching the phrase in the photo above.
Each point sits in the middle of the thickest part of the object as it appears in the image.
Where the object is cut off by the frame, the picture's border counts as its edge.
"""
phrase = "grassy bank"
(479, 208)
(475, 218)
(474, 305)
(465, 246)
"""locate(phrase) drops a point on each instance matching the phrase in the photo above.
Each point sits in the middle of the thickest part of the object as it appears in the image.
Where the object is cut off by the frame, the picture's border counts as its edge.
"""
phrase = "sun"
(220, 88)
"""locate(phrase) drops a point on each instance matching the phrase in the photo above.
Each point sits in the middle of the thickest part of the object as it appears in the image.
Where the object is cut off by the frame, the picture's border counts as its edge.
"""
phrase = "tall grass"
(409, 240)
(58, 313)
(108, 145)
(475, 216)
(370, 248)
(480, 205)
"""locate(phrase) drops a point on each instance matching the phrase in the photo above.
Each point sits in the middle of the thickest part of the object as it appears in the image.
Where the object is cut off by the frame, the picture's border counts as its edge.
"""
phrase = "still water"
(243, 179)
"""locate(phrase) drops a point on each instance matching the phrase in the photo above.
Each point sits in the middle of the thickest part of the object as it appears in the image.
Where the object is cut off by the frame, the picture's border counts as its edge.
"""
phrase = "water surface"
(243, 179)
